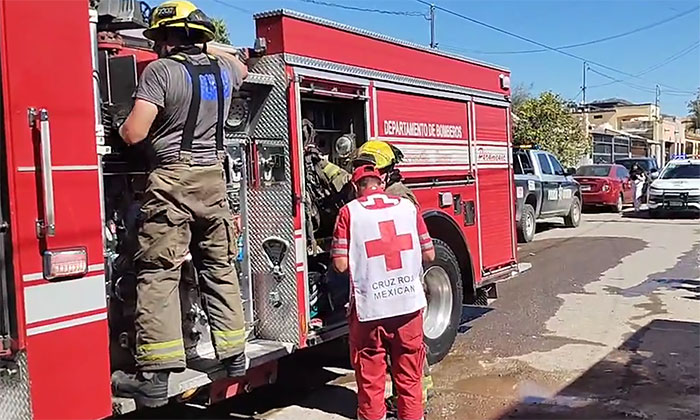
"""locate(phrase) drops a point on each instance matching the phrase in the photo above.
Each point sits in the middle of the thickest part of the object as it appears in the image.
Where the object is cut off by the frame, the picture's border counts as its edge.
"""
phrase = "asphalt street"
(606, 324)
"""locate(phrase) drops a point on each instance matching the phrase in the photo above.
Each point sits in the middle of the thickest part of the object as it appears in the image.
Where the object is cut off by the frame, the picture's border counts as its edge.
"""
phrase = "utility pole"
(655, 132)
(656, 101)
(431, 18)
(585, 106)
(583, 88)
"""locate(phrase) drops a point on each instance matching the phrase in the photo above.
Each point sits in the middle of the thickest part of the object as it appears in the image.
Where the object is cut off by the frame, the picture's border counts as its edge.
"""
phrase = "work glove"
(117, 114)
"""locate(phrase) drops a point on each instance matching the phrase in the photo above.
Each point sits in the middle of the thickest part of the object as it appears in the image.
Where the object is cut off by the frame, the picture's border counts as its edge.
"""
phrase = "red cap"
(365, 171)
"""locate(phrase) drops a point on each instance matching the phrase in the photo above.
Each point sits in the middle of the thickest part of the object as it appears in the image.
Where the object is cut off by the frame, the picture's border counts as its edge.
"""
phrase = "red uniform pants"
(402, 338)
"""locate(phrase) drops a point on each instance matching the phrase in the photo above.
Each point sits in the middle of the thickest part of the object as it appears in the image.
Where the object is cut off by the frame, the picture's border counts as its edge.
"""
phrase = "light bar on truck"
(66, 263)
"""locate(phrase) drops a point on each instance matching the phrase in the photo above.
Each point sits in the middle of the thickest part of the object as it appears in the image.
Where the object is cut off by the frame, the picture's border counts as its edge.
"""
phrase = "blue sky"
(552, 22)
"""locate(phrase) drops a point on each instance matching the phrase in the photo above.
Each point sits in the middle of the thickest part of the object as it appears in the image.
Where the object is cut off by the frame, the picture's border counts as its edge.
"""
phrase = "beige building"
(643, 120)
(691, 136)
(673, 137)
(665, 136)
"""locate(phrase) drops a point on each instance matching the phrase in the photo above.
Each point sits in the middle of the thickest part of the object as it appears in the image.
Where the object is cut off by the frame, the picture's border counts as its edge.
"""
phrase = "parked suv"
(543, 190)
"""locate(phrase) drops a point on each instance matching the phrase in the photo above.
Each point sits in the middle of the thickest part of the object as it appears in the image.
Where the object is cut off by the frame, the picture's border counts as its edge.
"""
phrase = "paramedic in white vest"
(383, 241)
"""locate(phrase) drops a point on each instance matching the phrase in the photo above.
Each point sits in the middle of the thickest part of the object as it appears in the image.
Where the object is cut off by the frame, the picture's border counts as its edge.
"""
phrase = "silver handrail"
(47, 226)
(47, 173)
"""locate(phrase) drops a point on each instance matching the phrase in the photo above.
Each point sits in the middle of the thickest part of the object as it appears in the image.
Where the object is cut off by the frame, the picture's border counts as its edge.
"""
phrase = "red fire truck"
(70, 191)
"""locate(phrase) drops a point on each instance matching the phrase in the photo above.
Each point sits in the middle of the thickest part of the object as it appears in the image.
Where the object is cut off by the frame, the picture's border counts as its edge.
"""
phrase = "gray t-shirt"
(167, 84)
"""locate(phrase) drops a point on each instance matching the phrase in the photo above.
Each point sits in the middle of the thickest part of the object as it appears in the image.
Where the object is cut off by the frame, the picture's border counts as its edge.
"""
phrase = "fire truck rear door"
(61, 341)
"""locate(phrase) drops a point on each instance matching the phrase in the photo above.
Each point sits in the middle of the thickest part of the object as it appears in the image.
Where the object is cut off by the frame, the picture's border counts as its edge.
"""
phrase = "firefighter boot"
(235, 366)
(148, 389)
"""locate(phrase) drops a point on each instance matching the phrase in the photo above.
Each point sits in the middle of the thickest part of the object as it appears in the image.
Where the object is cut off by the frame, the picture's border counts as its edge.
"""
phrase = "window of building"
(689, 148)
(597, 117)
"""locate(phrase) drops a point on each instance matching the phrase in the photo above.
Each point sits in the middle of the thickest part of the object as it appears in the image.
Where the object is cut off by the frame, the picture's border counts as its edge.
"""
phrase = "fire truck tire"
(443, 286)
(527, 225)
(574, 217)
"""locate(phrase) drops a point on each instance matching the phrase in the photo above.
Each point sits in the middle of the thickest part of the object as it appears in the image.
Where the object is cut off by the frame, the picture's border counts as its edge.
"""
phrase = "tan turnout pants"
(185, 204)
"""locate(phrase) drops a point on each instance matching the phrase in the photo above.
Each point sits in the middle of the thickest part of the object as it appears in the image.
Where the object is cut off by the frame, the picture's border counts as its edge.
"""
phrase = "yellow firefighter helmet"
(180, 14)
(378, 153)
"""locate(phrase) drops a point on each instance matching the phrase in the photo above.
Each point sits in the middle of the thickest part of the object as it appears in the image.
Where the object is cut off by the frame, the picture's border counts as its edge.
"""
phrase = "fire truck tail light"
(65, 263)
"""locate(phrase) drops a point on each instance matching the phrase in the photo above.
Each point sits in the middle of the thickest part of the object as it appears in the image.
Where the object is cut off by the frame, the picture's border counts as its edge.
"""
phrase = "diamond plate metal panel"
(270, 213)
(14, 391)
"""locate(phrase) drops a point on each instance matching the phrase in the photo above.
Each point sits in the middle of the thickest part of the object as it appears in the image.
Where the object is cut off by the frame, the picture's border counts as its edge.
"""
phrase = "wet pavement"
(606, 324)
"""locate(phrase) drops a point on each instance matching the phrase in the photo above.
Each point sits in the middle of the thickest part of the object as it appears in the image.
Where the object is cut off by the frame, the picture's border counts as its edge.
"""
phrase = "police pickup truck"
(543, 190)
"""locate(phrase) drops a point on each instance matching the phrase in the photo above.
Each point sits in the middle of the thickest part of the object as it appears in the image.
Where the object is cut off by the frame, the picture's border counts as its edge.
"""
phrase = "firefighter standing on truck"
(180, 104)
(382, 241)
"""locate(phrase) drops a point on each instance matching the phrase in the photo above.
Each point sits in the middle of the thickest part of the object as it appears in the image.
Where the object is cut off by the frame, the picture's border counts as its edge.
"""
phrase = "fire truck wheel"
(443, 287)
(527, 225)
(574, 217)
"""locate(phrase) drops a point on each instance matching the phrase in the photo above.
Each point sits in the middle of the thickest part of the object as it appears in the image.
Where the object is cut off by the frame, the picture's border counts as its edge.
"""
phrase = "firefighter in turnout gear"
(180, 104)
(384, 157)
(382, 241)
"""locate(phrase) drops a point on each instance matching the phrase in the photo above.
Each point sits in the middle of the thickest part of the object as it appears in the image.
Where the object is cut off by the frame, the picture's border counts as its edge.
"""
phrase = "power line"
(362, 9)
(623, 81)
(580, 91)
(233, 6)
(540, 44)
(672, 58)
(668, 60)
(599, 40)
(636, 86)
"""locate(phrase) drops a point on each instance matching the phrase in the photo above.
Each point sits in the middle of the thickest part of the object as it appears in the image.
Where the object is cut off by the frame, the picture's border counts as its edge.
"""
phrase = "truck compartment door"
(495, 185)
(55, 204)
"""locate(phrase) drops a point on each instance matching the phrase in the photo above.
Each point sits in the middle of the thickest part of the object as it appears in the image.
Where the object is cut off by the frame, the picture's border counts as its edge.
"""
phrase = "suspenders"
(195, 71)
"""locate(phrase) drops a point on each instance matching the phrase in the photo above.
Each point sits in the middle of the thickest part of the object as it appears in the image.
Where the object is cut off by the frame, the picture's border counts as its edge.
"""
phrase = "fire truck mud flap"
(208, 371)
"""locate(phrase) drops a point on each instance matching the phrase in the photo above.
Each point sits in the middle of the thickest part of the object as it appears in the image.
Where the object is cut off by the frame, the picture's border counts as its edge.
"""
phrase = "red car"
(605, 185)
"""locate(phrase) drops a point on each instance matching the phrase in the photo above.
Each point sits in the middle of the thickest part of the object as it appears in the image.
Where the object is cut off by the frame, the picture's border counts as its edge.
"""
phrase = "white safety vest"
(385, 257)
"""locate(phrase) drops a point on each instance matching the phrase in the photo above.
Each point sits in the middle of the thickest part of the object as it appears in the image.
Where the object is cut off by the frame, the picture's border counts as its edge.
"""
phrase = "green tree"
(519, 94)
(221, 34)
(694, 109)
(547, 122)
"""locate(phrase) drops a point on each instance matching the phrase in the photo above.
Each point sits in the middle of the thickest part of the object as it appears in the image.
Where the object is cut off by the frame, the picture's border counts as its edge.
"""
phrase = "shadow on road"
(654, 374)
(682, 276)
(666, 215)
(598, 210)
(469, 314)
(549, 225)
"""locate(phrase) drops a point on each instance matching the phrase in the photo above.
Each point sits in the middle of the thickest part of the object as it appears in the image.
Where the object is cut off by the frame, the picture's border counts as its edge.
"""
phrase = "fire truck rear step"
(206, 371)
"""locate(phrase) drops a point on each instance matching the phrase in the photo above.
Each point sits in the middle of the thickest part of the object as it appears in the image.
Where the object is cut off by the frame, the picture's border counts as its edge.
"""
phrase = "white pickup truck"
(677, 188)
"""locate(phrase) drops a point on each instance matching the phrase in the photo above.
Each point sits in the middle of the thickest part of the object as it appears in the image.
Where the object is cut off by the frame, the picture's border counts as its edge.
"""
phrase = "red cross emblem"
(378, 201)
(389, 245)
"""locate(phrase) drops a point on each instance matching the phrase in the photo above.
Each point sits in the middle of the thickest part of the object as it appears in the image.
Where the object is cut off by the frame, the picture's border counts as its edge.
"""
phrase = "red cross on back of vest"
(378, 201)
(389, 245)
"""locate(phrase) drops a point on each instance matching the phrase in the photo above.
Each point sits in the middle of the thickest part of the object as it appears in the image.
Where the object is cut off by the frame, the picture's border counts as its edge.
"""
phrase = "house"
(610, 144)
(641, 123)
